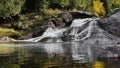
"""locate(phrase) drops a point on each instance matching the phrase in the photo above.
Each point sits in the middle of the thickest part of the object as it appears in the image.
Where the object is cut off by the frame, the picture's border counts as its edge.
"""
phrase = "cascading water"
(54, 33)
(79, 30)
(82, 35)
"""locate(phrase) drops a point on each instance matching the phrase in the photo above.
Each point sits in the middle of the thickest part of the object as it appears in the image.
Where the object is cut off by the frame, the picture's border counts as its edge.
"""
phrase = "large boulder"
(111, 23)
(70, 16)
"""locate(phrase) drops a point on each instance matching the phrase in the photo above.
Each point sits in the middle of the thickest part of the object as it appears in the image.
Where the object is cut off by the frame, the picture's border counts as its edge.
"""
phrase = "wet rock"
(58, 22)
(70, 16)
(81, 15)
(35, 33)
(106, 52)
(111, 23)
(39, 32)
(5, 39)
(49, 23)
(67, 17)
(63, 20)
(29, 35)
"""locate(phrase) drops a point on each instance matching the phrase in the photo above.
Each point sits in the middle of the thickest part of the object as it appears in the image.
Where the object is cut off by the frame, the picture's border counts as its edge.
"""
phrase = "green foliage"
(110, 5)
(86, 5)
(45, 3)
(50, 12)
(115, 4)
(64, 3)
(9, 32)
(44, 9)
(10, 7)
(13, 7)
(71, 4)
(82, 4)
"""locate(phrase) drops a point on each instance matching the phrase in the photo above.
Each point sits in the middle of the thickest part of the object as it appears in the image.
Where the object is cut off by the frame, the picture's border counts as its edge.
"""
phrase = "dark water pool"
(47, 55)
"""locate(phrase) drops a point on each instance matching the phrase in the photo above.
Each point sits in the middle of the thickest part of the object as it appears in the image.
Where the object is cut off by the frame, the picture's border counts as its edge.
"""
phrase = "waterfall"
(86, 40)
(79, 28)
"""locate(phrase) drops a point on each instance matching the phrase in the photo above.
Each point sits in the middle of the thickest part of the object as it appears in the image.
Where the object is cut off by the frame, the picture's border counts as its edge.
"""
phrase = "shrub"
(50, 12)
(9, 32)
(116, 3)
(10, 8)
(98, 8)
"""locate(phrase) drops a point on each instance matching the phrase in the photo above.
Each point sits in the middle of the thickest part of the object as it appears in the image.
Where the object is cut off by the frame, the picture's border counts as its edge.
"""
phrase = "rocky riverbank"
(5, 39)
(62, 20)
(109, 23)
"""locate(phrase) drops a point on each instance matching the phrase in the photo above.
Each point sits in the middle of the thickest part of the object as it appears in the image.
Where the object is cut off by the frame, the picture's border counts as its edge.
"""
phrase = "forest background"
(19, 17)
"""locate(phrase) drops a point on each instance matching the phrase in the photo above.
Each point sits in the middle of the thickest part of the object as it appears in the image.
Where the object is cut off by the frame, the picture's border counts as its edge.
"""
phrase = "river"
(82, 45)
(50, 55)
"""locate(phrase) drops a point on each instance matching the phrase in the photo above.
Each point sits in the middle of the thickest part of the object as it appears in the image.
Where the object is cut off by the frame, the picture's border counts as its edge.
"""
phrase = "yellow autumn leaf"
(98, 8)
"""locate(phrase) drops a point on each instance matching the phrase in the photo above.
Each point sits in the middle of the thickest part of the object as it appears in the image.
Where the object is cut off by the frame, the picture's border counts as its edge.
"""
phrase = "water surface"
(50, 55)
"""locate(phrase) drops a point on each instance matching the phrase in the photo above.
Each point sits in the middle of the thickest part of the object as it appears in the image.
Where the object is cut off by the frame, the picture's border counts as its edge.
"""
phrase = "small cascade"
(52, 34)
(81, 29)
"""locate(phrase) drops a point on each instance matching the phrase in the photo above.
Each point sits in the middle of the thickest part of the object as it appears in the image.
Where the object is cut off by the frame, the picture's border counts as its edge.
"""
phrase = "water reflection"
(50, 55)
(6, 50)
